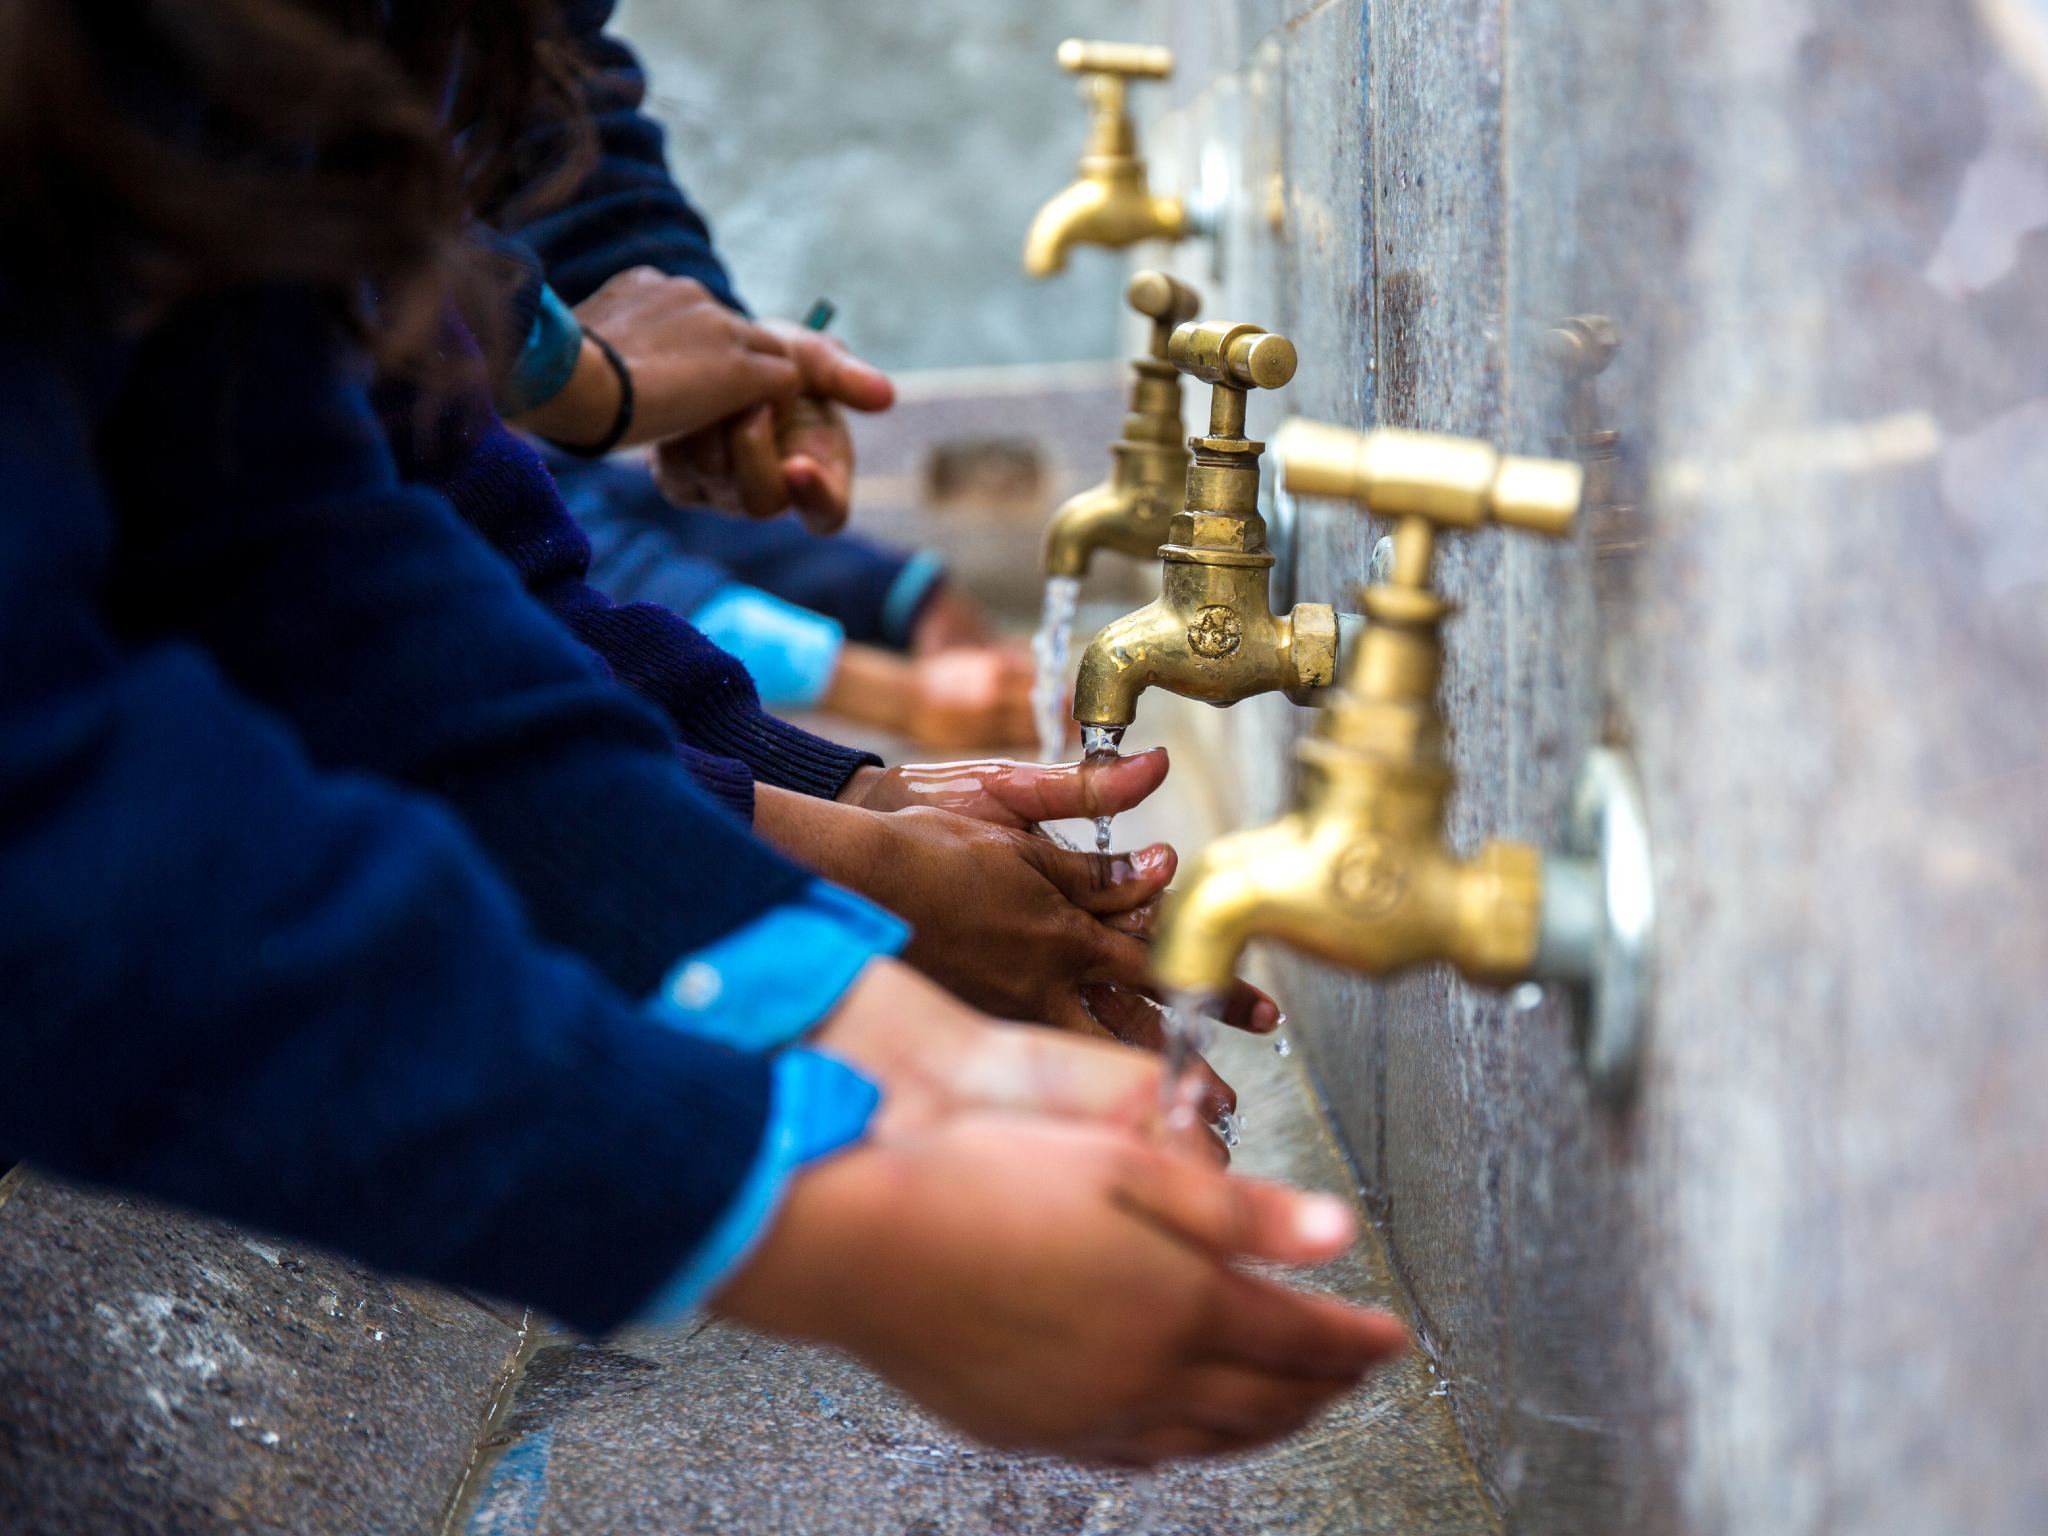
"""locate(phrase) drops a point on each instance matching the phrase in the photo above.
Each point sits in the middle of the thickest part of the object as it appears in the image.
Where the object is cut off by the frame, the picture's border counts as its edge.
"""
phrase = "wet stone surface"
(721, 1431)
(161, 1374)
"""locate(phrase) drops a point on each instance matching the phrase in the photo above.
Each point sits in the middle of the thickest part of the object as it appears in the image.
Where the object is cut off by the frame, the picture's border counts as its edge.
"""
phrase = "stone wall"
(1794, 1287)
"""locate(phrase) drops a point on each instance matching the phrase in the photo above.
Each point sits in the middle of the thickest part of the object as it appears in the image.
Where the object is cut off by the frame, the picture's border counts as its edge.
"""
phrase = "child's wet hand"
(1067, 1288)
(1016, 794)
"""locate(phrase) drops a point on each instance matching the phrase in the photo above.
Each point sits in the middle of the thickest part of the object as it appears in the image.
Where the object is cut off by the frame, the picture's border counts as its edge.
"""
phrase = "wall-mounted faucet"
(1211, 633)
(1111, 204)
(1129, 511)
(1360, 874)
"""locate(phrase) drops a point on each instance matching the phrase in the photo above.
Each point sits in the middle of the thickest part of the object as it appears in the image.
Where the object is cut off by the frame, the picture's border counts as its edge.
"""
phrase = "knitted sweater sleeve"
(456, 444)
(627, 211)
(265, 516)
(302, 999)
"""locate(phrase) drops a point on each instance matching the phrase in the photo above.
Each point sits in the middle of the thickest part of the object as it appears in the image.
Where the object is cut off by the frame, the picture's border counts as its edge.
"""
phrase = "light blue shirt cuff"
(899, 606)
(790, 652)
(546, 361)
(769, 982)
(818, 1106)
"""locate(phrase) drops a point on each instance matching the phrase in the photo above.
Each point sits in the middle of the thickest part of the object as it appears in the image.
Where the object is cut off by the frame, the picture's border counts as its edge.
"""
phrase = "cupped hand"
(971, 698)
(1009, 921)
(1019, 796)
(1066, 1288)
(934, 1057)
(948, 621)
(790, 452)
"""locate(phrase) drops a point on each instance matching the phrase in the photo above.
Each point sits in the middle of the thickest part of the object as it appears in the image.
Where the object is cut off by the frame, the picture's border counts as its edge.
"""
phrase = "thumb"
(1102, 883)
(1063, 791)
(1235, 1218)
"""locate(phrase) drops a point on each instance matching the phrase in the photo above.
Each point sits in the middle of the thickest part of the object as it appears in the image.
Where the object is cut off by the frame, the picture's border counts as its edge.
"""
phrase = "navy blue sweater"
(497, 481)
(627, 212)
(632, 526)
(294, 780)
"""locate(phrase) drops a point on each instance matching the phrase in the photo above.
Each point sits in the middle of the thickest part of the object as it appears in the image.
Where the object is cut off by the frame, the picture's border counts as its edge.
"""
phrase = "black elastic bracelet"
(621, 423)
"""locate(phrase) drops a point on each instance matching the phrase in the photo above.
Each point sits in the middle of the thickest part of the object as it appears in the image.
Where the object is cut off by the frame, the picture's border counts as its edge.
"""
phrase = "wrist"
(874, 688)
(793, 1282)
(855, 791)
(592, 412)
(840, 840)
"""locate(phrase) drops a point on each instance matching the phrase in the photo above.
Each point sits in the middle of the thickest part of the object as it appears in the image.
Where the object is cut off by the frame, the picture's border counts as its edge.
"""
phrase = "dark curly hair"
(154, 150)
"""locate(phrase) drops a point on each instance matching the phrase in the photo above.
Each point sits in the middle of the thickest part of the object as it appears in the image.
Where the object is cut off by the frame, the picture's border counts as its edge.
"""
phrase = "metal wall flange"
(1599, 921)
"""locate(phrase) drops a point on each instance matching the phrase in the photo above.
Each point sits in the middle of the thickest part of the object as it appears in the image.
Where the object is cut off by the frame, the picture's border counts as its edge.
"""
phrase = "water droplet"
(1282, 1048)
(1527, 997)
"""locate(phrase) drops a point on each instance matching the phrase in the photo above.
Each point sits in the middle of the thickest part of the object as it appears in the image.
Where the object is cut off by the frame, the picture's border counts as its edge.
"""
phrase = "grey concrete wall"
(1796, 1286)
(891, 157)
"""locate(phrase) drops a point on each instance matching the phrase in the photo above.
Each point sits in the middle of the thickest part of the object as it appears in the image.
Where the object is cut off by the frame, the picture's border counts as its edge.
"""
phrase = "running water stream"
(1099, 743)
(1050, 648)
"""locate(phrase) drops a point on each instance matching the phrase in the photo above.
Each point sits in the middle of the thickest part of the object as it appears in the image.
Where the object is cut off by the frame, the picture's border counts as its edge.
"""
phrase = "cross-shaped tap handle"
(1423, 481)
(1166, 301)
(1130, 61)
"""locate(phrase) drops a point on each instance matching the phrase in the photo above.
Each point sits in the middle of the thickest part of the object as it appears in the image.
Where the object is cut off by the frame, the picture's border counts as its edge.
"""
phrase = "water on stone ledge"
(1049, 647)
(1098, 742)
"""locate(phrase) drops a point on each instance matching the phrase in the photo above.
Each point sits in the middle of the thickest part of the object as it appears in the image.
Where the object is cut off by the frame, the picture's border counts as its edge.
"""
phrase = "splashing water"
(1187, 1032)
(1099, 742)
(1049, 647)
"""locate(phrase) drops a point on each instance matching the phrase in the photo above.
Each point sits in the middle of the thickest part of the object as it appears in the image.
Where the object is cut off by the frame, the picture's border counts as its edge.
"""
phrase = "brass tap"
(1129, 511)
(1212, 634)
(1359, 874)
(1111, 203)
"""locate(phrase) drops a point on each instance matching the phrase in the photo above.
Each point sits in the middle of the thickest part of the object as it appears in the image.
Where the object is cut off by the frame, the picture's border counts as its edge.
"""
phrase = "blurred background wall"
(889, 156)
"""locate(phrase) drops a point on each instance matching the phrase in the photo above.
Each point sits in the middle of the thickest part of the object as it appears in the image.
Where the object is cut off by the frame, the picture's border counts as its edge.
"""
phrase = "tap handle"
(1451, 482)
(1231, 356)
(1130, 61)
(1166, 302)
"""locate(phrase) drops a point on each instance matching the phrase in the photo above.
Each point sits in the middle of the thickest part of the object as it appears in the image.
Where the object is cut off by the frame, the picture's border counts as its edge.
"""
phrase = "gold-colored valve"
(1361, 874)
(1237, 357)
(1140, 61)
(1211, 634)
(1111, 202)
(1451, 482)
(1129, 512)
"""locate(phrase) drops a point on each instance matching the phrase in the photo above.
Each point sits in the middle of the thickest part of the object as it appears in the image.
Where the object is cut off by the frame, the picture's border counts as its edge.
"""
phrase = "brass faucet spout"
(1244, 884)
(1083, 524)
(1120, 663)
(1362, 874)
(1130, 511)
(1111, 204)
(1212, 634)
(1377, 900)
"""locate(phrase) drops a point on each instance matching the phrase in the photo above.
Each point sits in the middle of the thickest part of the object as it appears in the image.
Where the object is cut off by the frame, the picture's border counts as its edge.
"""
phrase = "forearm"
(834, 838)
(874, 688)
